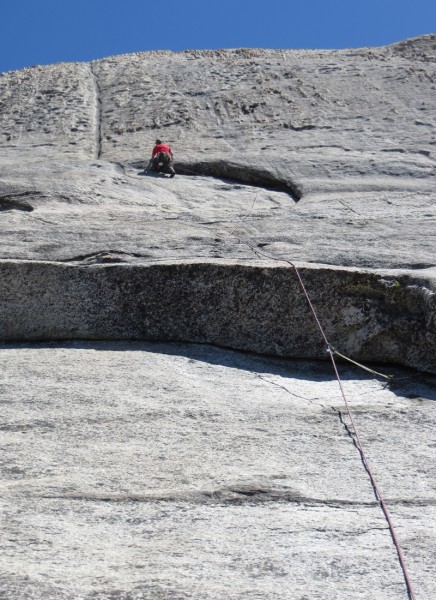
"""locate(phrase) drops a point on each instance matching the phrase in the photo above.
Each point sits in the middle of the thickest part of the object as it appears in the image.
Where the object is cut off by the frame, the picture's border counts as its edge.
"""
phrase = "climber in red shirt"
(161, 159)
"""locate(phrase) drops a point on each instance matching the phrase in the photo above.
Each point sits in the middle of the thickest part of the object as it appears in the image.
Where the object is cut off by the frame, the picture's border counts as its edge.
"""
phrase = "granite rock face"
(388, 316)
(137, 466)
(316, 157)
(145, 470)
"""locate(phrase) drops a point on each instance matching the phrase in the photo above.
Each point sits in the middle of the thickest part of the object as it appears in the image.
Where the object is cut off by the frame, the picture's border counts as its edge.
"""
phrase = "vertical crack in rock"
(350, 433)
(97, 111)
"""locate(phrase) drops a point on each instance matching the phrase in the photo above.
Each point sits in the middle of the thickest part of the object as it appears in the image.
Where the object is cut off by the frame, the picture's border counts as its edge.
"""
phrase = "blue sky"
(49, 31)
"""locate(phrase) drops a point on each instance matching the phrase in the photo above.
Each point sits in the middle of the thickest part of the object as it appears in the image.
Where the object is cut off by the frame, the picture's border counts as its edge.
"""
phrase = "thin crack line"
(224, 496)
(97, 112)
(312, 400)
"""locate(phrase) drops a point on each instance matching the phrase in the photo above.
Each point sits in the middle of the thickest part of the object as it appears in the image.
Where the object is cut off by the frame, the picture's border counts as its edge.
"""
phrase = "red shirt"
(161, 148)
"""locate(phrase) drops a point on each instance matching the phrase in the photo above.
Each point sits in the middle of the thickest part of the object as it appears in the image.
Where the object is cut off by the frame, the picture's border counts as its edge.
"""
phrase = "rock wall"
(381, 317)
(142, 461)
(82, 195)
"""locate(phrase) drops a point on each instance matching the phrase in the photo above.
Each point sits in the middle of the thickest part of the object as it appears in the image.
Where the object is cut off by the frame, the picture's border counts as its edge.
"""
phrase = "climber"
(161, 159)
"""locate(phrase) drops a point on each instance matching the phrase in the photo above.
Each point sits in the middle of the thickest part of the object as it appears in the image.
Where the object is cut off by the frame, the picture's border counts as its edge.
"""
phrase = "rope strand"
(331, 351)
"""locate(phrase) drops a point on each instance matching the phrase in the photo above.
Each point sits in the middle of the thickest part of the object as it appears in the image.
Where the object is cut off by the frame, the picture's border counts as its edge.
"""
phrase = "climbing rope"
(331, 351)
(389, 378)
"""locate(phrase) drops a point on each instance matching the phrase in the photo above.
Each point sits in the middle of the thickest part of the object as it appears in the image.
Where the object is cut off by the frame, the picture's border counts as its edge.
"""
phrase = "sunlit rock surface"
(157, 469)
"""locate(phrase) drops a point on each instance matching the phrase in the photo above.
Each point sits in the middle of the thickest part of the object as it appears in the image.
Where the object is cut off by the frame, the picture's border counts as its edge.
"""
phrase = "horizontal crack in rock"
(15, 202)
(236, 173)
(230, 171)
(232, 497)
(105, 256)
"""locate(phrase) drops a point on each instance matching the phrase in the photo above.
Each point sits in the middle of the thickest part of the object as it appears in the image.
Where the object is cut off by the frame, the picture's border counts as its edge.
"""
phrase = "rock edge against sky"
(142, 460)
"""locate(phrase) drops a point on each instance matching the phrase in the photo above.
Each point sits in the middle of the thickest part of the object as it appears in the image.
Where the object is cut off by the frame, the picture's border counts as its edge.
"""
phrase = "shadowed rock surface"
(385, 316)
(156, 469)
